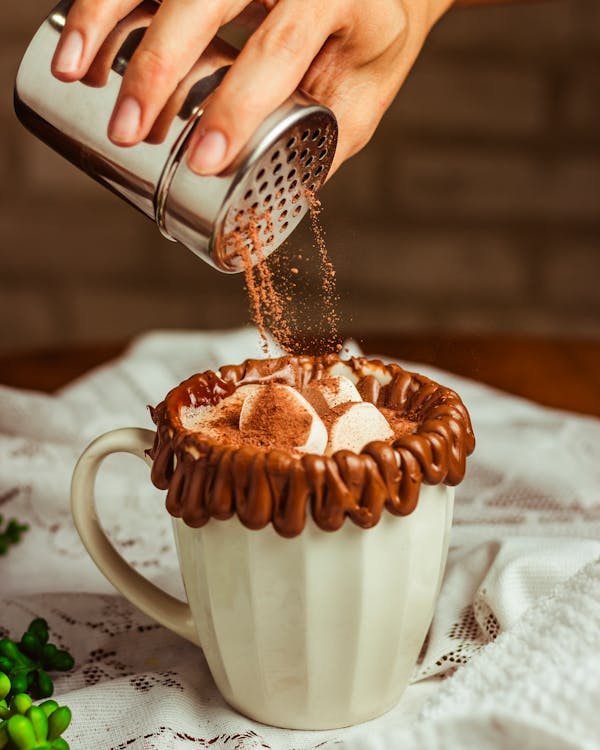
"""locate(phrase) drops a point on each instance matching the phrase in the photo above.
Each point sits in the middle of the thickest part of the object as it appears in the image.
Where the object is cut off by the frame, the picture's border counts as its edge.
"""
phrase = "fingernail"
(208, 153)
(126, 121)
(68, 55)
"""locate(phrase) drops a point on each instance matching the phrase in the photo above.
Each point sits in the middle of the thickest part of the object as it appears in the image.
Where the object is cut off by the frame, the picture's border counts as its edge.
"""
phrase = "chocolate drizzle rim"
(206, 480)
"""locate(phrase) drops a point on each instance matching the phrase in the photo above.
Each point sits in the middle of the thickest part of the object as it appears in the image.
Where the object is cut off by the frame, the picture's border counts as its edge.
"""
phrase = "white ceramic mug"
(315, 632)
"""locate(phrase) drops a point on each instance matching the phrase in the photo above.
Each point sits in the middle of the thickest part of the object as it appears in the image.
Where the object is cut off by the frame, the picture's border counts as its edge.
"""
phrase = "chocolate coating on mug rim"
(205, 479)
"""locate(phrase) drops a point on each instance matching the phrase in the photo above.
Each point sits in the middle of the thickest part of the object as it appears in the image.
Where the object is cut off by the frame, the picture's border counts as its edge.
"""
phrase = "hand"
(351, 55)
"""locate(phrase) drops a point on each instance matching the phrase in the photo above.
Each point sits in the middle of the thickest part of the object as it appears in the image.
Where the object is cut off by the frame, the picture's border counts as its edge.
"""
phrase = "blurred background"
(475, 208)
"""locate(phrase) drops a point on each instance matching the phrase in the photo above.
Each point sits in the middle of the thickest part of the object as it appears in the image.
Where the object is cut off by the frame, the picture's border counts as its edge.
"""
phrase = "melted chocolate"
(206, 480)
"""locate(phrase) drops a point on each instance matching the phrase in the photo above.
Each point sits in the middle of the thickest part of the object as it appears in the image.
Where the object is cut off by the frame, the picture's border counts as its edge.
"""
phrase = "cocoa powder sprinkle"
(329, 289)
(277, 419)
(275, 294)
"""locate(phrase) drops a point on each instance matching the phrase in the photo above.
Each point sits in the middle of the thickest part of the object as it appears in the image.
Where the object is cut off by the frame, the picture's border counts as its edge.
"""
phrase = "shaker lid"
(253, 207)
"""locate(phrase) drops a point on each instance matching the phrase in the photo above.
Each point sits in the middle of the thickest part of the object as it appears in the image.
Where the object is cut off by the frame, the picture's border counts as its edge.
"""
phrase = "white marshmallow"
(342, 370)
(358, 425)
(200, 418)
(291, 403)
(330, 392)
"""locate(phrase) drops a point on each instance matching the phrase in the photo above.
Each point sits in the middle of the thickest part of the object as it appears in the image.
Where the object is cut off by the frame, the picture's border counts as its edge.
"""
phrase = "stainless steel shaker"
(266, 190)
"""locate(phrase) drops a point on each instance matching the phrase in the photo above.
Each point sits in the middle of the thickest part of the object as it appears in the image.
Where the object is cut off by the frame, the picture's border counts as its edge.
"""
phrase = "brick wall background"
(476, 207)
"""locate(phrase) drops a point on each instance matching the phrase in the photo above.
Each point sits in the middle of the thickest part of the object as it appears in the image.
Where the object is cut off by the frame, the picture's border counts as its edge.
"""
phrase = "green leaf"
(58, 721)
(48, 707)
(20, 703)
(5, 664)
(20, 730)
(4, 738)
(10, 650)
(45, 686)
(62, 661)
(39, 629)
(39, 722)
(4, 685)
(30, 645)
(19, 682)
(11, 534)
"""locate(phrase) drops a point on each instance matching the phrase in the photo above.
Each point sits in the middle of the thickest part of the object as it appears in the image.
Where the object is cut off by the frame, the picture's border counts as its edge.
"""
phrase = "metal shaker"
(266, 191)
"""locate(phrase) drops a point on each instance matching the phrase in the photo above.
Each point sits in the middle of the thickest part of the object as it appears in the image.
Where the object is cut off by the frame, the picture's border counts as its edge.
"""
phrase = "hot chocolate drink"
(300, 628)
(273, 440)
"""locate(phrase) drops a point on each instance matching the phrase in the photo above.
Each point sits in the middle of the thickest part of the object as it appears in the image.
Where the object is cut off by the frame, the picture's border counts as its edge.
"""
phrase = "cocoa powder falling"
(278, 295)
(330, 295)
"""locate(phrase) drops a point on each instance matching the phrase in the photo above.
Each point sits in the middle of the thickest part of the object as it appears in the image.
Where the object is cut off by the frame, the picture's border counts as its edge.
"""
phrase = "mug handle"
(153, 601)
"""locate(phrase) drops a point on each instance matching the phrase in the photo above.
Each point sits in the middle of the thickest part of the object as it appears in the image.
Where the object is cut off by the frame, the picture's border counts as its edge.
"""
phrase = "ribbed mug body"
(322, 630)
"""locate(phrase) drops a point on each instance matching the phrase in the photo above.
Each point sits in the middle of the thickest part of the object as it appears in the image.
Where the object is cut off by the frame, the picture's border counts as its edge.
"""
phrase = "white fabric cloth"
(523, 563)
(536, 687)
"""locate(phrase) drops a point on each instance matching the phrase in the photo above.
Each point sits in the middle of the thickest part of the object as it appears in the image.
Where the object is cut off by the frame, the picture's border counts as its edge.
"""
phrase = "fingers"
(268, 69)
(322, 45)
(216, 55)
(178, 34)
(97, 73)
(88, 24)
(357, 75)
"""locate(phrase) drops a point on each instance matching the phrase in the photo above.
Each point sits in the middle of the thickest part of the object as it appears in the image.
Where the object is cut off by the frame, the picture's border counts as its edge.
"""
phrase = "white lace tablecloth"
(513, 656)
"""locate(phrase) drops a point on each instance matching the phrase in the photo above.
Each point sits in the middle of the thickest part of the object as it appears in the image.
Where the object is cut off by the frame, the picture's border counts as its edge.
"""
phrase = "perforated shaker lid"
(265, 194)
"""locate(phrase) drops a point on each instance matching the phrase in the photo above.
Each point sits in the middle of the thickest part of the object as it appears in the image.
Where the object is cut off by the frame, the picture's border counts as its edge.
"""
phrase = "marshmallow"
(330, 392)
(201, 418)
(342, 370)
(285, 419)
(355, 426)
